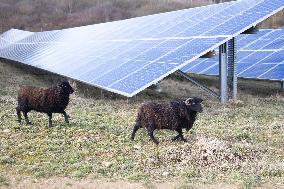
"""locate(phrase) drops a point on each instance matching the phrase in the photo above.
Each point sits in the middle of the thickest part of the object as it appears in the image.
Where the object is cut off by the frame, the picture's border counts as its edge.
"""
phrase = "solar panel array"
(128, 56)
(260, 56)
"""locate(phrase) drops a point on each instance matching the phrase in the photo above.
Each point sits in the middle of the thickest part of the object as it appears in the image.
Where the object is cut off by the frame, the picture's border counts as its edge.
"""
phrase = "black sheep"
(174, 116)
(45, 100)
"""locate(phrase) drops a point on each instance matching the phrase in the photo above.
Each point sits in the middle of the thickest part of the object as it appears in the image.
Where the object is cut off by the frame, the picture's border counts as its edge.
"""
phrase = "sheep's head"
(194, 104)
(66, 87)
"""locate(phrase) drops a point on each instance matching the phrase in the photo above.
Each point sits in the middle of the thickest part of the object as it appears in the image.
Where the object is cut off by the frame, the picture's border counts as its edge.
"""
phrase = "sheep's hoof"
(183, 139)
(156, 142)
(175, 138)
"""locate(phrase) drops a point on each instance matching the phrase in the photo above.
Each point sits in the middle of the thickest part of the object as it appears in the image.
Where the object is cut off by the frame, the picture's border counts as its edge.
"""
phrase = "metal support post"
(282, 85)
(223, 73)
(232, 69)
(211, 92)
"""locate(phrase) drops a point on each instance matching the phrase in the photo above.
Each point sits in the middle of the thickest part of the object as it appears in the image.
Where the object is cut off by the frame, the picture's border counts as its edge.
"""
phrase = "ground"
(237, 145)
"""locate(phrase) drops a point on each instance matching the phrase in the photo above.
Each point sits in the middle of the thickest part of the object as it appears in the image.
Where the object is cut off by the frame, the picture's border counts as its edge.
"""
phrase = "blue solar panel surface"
(260, 56)
(128, 56)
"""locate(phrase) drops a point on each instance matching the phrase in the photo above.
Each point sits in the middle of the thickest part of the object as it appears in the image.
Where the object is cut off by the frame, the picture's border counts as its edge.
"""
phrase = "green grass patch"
(226, 143)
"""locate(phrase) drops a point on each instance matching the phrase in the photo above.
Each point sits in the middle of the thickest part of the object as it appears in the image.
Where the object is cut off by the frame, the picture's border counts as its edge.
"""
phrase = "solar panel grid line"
(2, 38)
(243, 58)
(96, 78)
(259, 50)
(201, 10)
(14, 35)
(187, 18)
(34, 53)
(144, 52)
(233, 17)
(270, 69)
(133, 58)
(113, 31)
(274, 51)
(154, 39)
(206, 69)
(37, 37)
(273, 44)
(126, 51)
(151, 63)
(177, 68)
(261, 18)
(210, 22)
(211, 49)
(256, 40)
(201, 13)
(196, 64)
(272, 40)
(166, 66)
(208, 19)
(256, 63)
(147, 24)
(274, 63)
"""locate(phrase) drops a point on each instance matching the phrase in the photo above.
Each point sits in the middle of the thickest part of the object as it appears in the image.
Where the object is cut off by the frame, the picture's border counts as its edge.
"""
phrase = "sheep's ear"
(188, 101)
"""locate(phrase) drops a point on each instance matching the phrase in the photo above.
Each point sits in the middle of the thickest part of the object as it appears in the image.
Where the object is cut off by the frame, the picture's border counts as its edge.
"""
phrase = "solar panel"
(260, 56)
(128, 56)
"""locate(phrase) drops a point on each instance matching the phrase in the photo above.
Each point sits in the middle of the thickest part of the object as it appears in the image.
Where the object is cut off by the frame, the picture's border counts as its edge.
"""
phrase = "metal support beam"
(211, 92)
(223, 73)
(282, 85)
(232, 69)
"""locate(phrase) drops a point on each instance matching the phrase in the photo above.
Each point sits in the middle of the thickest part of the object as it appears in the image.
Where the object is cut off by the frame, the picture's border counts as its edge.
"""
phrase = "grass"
(3, 181)
(239, 142)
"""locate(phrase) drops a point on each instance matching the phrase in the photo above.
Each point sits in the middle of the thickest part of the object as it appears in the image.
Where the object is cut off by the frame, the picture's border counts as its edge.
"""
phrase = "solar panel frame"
(252, 54)
(57, 38)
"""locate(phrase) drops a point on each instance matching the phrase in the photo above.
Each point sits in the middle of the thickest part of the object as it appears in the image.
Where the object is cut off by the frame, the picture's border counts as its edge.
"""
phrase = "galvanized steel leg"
(232, 69)
(223, 73)
(209, 91)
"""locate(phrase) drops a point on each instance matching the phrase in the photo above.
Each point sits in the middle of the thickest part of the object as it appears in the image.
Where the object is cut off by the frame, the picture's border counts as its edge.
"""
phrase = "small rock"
(106, 164)
(137, 146)
(6, 130)
(165, 173)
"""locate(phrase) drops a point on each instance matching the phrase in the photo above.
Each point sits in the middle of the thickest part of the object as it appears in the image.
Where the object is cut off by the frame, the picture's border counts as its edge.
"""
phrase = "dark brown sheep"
(174, 116)
(45, 100)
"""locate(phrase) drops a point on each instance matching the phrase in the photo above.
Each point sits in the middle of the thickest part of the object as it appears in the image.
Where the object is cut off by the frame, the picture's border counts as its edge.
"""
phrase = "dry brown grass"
(240, 142)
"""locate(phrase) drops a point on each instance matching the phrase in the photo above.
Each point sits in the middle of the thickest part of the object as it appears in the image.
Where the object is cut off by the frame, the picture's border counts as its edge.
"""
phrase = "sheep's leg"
(135, 129)
(19, 116)
(27, 118)
(65, 117)
(49, 119)
(176, 137)
(180, 135)
(151, 133)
